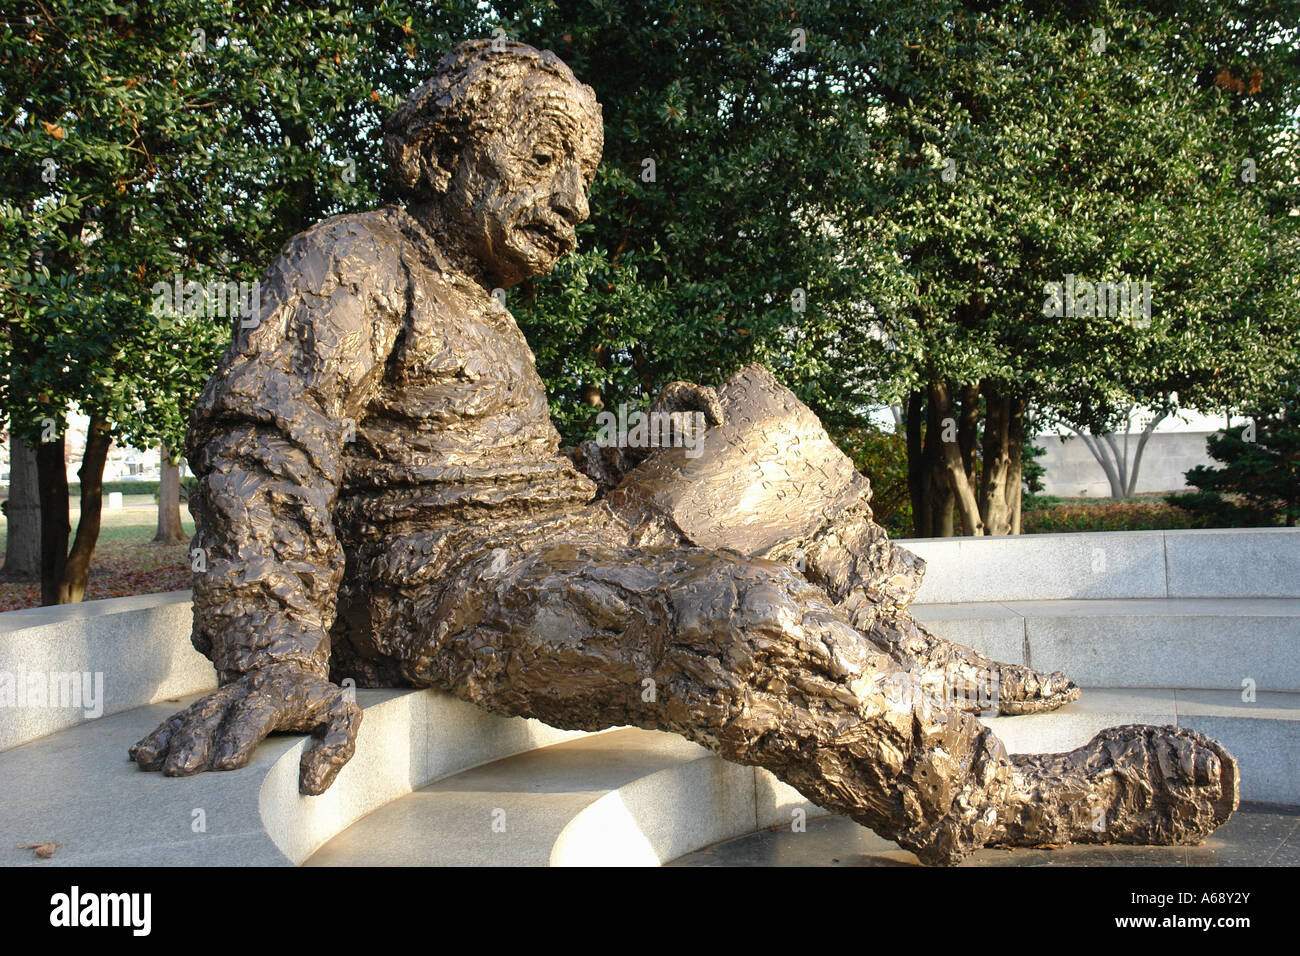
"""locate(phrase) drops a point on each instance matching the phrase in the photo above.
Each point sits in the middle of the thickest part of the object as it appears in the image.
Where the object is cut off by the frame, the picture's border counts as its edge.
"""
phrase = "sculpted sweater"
(380, 420)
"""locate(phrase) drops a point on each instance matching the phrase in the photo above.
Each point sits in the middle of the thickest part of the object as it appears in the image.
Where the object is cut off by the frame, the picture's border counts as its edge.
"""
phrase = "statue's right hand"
(220, 731)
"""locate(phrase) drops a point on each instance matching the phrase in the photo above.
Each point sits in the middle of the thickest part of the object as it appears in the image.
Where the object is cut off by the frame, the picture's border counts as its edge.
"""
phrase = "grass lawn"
(126, 561)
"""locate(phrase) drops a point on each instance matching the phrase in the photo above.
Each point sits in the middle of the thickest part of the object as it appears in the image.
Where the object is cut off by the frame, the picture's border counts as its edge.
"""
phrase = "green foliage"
(146, 141)
(1038, 502)
(1118, 163)
(822, 169)
(1210, 509)
(1031, 470)
(882, 457)
(1052, 516)
(1259, 483)
(692, 275)
(125, 487)
(88, 222)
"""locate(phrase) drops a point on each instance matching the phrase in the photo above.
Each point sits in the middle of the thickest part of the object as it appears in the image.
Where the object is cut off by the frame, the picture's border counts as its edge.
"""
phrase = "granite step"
(1229, 644)
(630, 797)
(436, 780)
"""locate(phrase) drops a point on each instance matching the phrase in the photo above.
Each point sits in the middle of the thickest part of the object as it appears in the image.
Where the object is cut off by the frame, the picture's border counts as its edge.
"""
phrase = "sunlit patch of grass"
(126, 560)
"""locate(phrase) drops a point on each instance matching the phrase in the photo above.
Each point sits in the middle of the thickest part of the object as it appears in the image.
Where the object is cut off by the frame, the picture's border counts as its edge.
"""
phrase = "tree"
(914, 174)
(97, 110)
(883, 456)
(1112, 452)
(170, 528)
(22, 511)
(160, 155)
(1259, 483)
(1070, 227)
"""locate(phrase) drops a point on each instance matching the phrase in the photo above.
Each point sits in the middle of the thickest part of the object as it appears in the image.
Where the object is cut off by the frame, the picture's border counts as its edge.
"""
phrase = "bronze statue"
(381, 496)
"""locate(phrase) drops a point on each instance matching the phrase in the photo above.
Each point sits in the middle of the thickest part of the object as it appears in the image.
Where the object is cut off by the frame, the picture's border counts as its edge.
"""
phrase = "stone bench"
(1226, 563)
(430, 773)
(1213, 643)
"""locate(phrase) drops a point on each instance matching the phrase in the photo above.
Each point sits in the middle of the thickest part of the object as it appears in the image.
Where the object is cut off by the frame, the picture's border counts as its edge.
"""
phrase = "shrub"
(1132, 514)
(882, 457)
(1258, 483)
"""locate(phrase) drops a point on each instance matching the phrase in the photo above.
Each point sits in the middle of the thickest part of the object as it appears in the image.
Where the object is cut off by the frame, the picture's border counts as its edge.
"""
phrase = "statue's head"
(502, 144)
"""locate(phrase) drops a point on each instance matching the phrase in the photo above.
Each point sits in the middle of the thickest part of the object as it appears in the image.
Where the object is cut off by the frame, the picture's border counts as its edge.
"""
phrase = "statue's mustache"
(556, 230)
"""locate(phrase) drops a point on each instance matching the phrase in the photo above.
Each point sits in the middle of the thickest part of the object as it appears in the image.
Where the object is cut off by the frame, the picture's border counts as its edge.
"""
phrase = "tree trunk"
(1120, 459)
(170, 528)
(1099, 452)
(931, 491)
(23, 512)
(92, 502)
(1120, 472)
(968, 426)
(942, 506)
(52, 473)
(967, 505)
(1016, 456)
(1137, 456)
(938, 492)
(996, 462)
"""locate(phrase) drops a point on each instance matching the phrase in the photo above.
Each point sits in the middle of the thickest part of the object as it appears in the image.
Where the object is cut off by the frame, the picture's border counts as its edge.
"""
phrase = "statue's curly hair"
(425, 134)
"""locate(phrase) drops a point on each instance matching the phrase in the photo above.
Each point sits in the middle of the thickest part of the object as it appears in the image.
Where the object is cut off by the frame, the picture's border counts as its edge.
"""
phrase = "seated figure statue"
(381, 496)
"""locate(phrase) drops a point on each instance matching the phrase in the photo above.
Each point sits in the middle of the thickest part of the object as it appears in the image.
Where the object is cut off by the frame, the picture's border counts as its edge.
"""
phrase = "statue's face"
(517, 193)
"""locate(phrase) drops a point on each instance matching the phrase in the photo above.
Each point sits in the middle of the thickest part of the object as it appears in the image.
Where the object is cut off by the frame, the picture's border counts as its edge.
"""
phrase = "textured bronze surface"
(381, 496)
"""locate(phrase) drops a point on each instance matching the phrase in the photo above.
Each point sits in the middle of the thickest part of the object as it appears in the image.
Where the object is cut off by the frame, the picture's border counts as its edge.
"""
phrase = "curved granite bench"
(1212, 610)
(1171, 622)
(76, 787)
(633, 797)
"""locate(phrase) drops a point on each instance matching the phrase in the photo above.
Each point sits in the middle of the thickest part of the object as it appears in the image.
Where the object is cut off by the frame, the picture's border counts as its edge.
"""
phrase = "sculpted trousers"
(744, 656)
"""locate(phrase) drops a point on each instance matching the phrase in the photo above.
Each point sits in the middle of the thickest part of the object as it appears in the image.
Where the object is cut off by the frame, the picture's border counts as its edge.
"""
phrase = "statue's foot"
(1136, 784)
(1022, 690)
(962, 678)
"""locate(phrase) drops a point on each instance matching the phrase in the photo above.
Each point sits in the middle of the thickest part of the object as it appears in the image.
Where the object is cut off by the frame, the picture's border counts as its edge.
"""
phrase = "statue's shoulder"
(340, 286)
(359, 249)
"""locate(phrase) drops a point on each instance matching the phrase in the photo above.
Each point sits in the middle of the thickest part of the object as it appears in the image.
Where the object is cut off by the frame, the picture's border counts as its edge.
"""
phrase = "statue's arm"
(266, 444)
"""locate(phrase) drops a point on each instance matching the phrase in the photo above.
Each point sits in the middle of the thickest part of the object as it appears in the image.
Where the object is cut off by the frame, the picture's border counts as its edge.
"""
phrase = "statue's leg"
(873, 580)
(752, 661)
